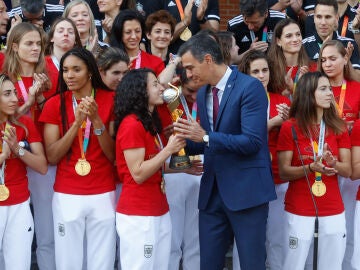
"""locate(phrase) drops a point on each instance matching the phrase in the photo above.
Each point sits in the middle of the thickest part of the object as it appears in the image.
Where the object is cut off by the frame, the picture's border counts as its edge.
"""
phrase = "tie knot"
(215, 90)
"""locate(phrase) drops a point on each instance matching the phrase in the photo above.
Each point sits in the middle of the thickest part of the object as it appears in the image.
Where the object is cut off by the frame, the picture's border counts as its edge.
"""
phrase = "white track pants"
(76, 216)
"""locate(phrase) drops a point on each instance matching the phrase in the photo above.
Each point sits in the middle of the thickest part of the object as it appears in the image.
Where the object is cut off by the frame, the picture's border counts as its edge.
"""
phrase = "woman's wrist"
(310, 169)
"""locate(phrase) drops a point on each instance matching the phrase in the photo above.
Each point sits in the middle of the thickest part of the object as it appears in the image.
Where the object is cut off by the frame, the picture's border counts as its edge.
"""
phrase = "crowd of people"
(137, 135)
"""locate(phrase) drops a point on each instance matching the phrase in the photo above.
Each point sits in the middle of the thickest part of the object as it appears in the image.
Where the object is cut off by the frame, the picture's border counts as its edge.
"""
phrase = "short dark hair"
(200, 45)
(33, 6)
(331, 3)
(250, 7)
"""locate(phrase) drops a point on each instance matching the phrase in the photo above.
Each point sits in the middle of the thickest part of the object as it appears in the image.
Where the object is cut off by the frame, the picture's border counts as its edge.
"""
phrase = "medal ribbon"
(186, 107)
(252, 35)
(264, 34)
(83, 142)
(160, 146)
(340, 106)
(2, 170)
(319, 148)
(55, 61)
(268, 107)
(138, 60)
(296, 78)
(194, 111)
(180, 8)
(344, 26)
(25, 95)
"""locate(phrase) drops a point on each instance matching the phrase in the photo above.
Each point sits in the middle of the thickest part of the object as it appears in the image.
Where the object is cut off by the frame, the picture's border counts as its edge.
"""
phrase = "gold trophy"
(171, 96)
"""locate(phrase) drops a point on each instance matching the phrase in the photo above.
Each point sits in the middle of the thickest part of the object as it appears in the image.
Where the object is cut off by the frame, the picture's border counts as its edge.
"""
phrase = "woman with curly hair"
(78, 124)
(324, 145)
(142, 214)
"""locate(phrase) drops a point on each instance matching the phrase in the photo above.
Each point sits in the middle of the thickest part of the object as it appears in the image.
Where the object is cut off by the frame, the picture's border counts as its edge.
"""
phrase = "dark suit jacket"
(238, 155)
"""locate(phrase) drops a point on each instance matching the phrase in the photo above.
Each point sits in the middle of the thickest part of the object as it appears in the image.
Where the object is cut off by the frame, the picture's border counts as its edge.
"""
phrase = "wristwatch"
(99, 131)
(20, 151)
(206, 138)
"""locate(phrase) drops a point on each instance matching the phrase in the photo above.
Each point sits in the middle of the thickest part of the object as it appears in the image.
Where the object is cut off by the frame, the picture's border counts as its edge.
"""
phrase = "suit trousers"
(218, 226)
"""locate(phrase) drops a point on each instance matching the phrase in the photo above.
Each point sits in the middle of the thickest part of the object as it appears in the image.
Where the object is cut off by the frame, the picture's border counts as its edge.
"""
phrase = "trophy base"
(179, 162)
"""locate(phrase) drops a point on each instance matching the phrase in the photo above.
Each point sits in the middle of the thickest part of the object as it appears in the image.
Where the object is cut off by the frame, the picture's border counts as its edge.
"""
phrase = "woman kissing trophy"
(172, 97)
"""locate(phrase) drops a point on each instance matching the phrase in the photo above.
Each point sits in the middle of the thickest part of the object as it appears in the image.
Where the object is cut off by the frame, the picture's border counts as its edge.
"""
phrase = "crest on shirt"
(293, 242)
(148, 250)
(197, 3)
(61, 229)
(269, 35)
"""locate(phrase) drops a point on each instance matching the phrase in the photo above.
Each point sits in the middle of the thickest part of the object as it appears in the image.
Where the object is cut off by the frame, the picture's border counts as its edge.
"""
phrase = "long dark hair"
(118, 26)
(303, 107)
(96, 81)
(277, 58)
(132, 98)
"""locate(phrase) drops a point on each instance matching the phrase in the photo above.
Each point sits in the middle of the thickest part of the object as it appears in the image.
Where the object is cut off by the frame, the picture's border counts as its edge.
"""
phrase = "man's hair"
(200, 45)
(32, 6)
(250, 7)
(331, 3)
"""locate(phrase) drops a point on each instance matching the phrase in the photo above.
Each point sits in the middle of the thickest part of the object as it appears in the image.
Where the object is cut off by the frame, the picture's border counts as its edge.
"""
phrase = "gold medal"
(318, 188)
(186, 34)
(162, 186)
(4, 193)
(82, 167)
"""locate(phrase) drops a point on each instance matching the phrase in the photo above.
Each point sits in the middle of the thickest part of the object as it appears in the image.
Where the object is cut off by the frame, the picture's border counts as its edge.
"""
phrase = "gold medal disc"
(318, 188)
(162, 186)
(82, 167)
(186, 34)
(4, 193)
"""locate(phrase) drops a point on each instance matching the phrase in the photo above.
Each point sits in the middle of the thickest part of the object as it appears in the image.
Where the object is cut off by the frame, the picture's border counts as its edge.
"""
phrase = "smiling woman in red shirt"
(77, 138)
(324, 147)
(16, 222)
(142, 219)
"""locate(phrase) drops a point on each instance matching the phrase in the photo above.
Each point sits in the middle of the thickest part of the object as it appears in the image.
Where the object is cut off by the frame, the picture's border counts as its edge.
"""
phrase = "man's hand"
(259, 45)
(189, 130)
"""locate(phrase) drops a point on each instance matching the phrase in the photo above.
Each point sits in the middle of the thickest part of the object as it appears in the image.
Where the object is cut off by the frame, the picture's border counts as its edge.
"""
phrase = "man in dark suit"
(237, 182)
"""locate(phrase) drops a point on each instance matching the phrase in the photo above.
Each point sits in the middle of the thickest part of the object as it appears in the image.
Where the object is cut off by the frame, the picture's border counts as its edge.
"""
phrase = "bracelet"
(311, 170)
